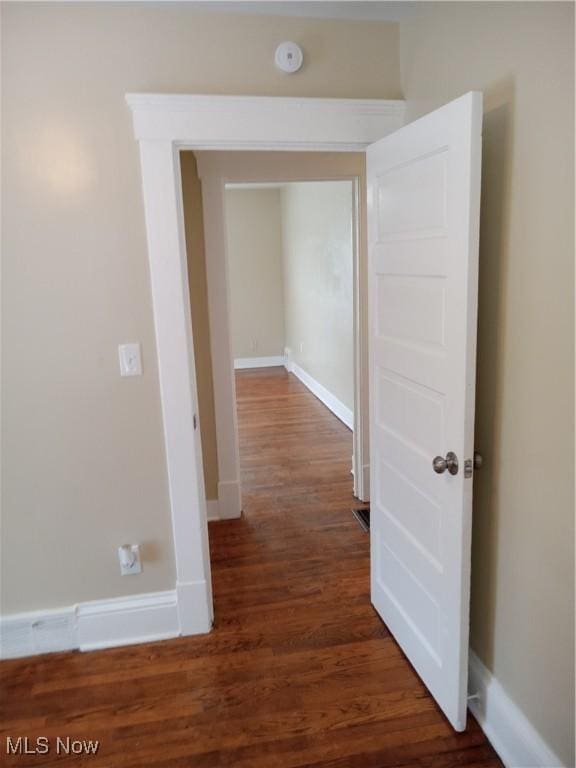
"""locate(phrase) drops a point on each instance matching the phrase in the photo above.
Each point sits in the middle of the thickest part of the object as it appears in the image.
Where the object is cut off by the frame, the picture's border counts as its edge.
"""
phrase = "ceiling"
(362, 10)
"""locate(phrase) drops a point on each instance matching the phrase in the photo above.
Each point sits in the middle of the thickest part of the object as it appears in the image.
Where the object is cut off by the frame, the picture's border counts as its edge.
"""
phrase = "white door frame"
(163, 125)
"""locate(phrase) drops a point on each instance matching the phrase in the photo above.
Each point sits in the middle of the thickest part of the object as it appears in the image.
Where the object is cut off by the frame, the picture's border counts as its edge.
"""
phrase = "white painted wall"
(317, 232)
(256, 285)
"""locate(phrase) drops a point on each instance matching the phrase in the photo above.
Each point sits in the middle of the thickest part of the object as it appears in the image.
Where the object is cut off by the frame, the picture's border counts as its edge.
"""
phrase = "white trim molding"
(229, 499)
(228, 505)
(164, 124)
(195, 607)
(127, 620)
(177, 373)
(331, 402)
(33, 632)
(212, 510)
(507, 728)
(274, 361)
(91, 625)
(263, 122)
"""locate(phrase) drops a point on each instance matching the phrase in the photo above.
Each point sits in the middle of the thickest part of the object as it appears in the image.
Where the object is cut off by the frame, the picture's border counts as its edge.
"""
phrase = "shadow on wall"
(498, 130)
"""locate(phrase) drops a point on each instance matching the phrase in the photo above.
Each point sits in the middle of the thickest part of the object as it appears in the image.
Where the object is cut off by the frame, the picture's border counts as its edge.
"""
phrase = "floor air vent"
(363, 517)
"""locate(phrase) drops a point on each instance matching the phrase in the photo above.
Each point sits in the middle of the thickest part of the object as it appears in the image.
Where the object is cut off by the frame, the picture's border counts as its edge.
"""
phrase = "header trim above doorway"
(263, 122)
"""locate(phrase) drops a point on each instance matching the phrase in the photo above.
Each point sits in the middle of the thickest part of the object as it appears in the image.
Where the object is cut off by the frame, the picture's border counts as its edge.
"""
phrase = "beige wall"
(290, 278)
(83, 456)
(256, 287)
(318, 282)
(521, 56)
(194, 228)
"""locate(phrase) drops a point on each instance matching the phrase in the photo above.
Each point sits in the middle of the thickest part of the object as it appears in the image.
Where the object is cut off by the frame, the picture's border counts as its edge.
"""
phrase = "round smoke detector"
(289, 57)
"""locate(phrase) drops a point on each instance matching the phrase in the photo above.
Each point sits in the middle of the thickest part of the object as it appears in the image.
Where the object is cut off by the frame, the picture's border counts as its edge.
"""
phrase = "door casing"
(163, 126)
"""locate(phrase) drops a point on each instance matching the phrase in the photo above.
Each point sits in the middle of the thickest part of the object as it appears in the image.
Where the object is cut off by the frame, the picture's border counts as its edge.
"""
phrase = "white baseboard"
(515, 739)
(228, 505)
(259, 362)
(27, 634)
(106, 623)
(127, 620)
(212, 509)
(332, 403)
(229, 500)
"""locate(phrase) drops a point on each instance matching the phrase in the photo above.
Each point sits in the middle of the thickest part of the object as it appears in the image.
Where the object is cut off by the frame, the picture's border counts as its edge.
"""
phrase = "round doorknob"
(439, 464)
(450, 463)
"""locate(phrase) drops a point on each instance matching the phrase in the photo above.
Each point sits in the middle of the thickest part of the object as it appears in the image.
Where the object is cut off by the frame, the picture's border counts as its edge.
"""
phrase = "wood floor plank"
(298, 671)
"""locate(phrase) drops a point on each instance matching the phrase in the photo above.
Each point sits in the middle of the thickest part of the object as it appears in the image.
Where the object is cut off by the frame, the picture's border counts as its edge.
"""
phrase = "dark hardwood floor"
(299, 670)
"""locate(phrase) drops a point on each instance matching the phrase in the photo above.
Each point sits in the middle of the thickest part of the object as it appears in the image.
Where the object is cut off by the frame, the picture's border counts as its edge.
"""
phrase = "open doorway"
(265, 336)
(290, 262)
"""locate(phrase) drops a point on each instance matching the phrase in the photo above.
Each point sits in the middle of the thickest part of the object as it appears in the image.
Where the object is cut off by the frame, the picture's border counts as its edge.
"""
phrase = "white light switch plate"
(130, 360)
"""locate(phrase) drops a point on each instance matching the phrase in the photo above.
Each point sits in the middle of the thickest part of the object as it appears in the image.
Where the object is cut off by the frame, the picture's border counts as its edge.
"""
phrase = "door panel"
(423, 220)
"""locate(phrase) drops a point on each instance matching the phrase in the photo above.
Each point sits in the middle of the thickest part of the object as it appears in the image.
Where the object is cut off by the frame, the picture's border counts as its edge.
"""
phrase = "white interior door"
(423, 221)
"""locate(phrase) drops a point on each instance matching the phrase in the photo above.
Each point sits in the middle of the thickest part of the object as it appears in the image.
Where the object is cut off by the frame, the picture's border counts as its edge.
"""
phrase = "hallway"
(299, 670)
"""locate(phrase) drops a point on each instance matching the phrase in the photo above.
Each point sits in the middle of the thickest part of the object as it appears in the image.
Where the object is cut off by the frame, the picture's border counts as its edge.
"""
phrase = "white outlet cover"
(130, 359)
(130, 561)
(289, 57)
